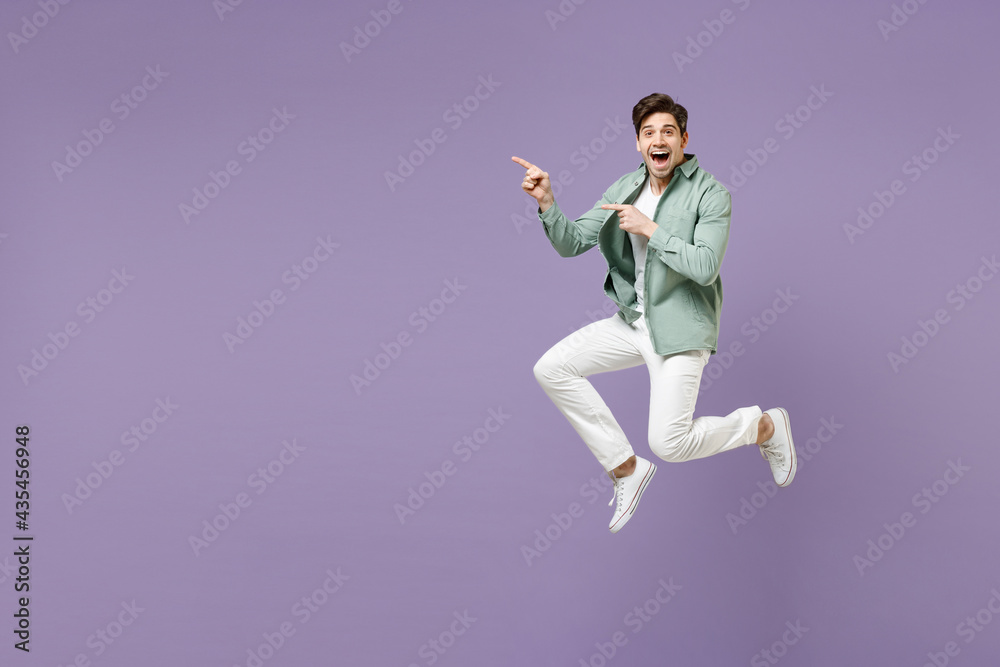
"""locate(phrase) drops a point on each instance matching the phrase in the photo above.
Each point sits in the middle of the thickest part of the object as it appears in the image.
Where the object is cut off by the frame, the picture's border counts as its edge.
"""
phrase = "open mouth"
(660, 158)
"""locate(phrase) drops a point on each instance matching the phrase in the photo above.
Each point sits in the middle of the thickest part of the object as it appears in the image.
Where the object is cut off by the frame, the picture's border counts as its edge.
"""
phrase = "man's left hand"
(632, 220)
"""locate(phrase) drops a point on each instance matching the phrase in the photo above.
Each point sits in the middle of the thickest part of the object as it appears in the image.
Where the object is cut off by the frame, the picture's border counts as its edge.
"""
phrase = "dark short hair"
(657, 103)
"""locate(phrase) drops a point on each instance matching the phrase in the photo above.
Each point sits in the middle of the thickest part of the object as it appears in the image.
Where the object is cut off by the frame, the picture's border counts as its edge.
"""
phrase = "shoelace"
(617, 490)
(771, 453)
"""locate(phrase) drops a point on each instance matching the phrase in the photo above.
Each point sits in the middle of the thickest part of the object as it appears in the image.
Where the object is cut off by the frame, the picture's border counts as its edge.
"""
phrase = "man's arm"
(701, 260)
(573, 237)
(568, 237)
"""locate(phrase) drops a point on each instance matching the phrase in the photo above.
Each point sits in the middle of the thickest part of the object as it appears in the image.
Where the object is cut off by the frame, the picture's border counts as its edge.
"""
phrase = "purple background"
(461, 216)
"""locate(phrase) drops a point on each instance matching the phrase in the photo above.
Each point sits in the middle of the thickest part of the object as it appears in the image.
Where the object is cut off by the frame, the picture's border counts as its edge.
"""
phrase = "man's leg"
(675, 436)
(599, 347)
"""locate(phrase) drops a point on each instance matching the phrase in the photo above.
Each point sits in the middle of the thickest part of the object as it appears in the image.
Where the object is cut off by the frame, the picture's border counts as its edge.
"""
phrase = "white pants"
(612, 344)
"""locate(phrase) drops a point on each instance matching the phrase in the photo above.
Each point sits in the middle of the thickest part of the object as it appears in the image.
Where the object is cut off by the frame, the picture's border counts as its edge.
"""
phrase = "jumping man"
(663, 230)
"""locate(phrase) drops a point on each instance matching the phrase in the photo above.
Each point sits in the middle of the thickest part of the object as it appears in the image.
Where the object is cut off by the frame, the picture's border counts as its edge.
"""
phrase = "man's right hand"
(536, 183)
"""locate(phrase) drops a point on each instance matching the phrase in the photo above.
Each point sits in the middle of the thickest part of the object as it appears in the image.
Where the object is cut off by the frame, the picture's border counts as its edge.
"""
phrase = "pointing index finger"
(523, 163)
(616, 207)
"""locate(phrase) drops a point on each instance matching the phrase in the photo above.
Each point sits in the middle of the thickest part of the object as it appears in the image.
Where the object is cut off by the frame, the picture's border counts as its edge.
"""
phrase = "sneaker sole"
(791, 446)
(623, 519)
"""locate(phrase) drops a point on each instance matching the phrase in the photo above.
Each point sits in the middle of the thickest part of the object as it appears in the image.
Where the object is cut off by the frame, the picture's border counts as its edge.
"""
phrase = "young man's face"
(661, 144)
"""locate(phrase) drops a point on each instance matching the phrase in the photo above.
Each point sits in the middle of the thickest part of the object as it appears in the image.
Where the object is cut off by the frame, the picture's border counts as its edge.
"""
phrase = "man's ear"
(684, 141)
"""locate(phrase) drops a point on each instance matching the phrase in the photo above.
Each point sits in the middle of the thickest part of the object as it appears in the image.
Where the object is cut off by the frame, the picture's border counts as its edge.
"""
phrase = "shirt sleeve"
(574, 237)
(700, 261)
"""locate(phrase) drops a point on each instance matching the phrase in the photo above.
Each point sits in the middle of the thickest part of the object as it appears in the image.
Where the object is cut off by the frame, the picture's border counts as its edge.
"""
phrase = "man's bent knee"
(547, 369)
(675, 448)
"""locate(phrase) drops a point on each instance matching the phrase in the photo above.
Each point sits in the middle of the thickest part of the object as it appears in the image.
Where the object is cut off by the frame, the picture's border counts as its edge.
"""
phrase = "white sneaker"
(628, 490)
(780, 450)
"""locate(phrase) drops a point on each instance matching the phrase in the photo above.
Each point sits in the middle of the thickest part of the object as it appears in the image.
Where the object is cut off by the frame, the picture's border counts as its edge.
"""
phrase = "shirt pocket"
(697, 314)
(680, 222)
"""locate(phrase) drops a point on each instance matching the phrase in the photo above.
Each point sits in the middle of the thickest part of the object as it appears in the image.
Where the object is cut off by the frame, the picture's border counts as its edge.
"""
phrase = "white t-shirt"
(646, 203)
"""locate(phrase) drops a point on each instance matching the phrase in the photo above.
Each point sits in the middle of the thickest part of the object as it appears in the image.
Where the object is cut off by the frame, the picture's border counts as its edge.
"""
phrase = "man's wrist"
(546, 204)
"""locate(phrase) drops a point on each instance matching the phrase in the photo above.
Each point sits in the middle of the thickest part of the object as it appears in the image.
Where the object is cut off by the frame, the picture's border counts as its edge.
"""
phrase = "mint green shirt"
(682, 288)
